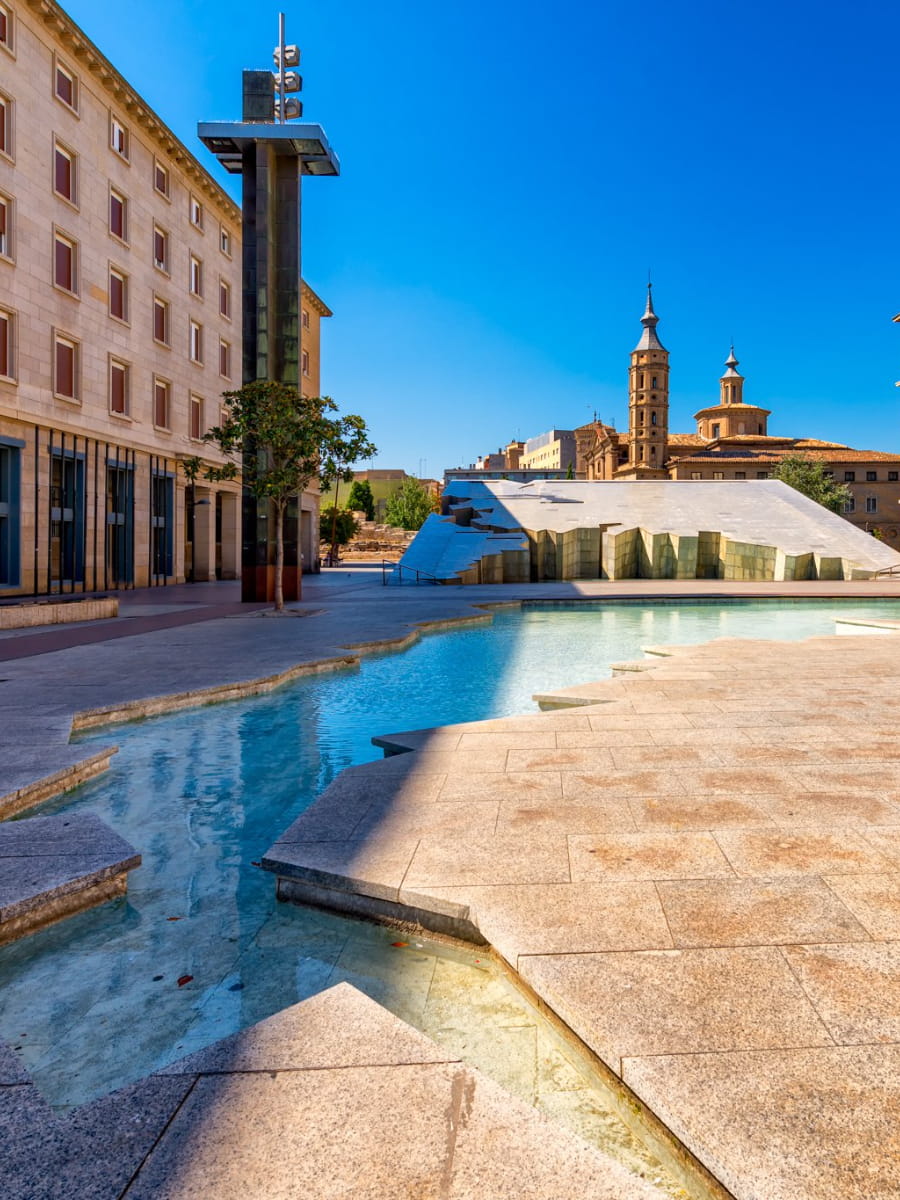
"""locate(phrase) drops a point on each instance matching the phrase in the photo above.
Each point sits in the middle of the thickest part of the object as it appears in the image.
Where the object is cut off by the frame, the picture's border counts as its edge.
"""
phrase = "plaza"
(690, 869)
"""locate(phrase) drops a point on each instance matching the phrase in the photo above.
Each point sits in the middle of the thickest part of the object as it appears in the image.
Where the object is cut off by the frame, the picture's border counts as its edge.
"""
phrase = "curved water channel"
(95, 1002)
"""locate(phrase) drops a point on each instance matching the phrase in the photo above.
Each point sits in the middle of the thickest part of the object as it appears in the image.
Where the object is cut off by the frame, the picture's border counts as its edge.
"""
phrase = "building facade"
(731, 442)
(120, 327)
(550, 451)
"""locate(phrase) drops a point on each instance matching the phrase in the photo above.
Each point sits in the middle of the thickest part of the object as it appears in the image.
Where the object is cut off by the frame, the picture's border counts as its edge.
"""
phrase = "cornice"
(86, 54)
(315, 301)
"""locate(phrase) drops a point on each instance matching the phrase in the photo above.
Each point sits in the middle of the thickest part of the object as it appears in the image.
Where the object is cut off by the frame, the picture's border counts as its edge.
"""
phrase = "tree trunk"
(334, 516)
(279, 556)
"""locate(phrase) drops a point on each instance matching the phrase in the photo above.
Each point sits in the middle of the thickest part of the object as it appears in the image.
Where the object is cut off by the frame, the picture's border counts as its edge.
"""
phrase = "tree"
(337, 526)
(361, 499)
(278, 442)
(808, 476)
(338, 457)
(410, 505)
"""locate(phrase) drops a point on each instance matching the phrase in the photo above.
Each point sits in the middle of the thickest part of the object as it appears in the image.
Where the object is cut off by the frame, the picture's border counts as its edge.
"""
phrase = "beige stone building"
(120, 327)
(731, 442)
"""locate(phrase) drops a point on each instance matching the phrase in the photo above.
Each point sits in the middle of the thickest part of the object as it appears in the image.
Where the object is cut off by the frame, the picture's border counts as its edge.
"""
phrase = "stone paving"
(700, 875)
(331, 1098)
(698, 872)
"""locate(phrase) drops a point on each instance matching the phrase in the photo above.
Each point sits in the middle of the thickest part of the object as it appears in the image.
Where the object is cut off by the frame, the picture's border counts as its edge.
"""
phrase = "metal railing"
(396, 572)
(894, 570)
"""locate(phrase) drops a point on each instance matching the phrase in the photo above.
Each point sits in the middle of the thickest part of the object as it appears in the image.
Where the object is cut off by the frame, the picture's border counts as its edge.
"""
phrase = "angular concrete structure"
(505, 532)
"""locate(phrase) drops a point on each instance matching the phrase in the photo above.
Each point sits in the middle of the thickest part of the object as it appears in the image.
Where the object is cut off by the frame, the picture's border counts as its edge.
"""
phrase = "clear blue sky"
(511, 170)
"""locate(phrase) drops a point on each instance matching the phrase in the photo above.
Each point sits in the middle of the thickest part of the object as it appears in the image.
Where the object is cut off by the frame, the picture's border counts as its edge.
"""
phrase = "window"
(118, 294)
(64, 173)
(849, 477)
(740, 474)
(196, 211)
(224, 241)
(762, 474)
(871, 476)
(5, 227)
(161, 523)
(225, 298)
(161, 179)
(893, 476)
(653, 418)
(696, 475)
(6, 126)
(161, 403)
(9, 512)
(65, 87)
(65, 265)
(718, 475)
(304, 318)
(65, 367)
(118, 387)
(196, 342)
(7, 344)
(118, 137)
(871, 504)
(160, 321)
(6, 28)
(654, 383)
(118, 215)
(224, 360)
(849, 506)
(304, 360)
(715, 430)
(196, 428)
(196, 276)
(160, 249)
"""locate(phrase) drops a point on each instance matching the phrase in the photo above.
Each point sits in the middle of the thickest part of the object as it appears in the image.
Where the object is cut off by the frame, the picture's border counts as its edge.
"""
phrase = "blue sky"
(511, 170)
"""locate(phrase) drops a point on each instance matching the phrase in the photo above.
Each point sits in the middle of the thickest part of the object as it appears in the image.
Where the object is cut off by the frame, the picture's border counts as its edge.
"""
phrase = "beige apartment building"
(120, 327)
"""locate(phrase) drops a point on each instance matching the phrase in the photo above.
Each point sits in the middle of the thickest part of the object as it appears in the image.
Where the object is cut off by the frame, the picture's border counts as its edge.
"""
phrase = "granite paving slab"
(562, 917)
(52, 867)
(650, 1002)
(781, 1124)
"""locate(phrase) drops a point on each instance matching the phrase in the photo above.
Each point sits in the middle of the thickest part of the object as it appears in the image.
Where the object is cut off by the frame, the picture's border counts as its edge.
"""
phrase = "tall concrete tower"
(648, 403)
(271, 149)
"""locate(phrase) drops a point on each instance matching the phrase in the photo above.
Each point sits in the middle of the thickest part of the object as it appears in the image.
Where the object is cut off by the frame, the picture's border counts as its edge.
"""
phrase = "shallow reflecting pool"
(95, 1001)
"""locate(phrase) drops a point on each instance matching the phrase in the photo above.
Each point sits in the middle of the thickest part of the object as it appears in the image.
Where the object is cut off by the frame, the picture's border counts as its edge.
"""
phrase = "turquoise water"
(95, 1002)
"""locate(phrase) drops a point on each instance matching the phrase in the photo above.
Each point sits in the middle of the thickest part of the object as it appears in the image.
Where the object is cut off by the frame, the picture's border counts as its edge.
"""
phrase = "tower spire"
(649, 339)
(731, 384)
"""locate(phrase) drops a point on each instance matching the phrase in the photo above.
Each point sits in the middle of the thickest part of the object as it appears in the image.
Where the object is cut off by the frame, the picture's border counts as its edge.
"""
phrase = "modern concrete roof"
(763, 512)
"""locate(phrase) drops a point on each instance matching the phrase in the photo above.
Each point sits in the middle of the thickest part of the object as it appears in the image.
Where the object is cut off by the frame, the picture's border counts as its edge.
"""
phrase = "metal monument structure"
(271, 148)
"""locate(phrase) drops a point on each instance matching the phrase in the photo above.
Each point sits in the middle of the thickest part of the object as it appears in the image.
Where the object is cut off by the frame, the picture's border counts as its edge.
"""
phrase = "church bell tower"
(648, 403)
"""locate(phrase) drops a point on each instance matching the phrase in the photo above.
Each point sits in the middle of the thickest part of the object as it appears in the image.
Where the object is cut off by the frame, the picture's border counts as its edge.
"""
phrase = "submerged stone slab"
(52, 867)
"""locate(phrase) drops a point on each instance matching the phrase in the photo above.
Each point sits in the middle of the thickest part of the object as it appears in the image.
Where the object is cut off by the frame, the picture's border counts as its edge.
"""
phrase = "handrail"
(420, 576)
(887, 570)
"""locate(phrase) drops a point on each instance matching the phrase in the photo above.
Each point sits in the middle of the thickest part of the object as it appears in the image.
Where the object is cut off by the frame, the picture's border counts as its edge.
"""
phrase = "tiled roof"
(839, 454)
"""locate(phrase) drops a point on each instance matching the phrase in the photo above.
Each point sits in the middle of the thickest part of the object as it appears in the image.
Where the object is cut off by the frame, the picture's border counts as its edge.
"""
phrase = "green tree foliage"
(808, 476)
(361, 498)
(410, 505)
(278, 442)
(337, 526)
